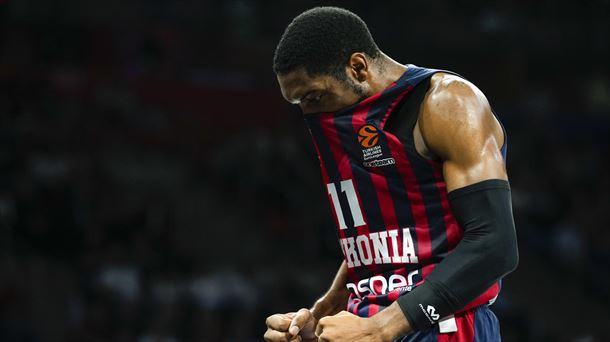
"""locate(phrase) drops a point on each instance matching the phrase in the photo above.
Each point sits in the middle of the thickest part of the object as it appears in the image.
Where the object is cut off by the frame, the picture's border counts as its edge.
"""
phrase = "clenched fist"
(289, 327)
(347, 327)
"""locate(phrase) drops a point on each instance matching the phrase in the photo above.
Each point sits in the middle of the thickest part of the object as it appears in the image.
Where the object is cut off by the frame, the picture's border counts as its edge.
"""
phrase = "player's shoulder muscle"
(456, 117)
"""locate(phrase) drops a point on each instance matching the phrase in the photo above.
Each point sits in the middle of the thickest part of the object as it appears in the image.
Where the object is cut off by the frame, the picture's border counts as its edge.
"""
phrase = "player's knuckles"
(269, 336)
(277, 322)
(304, 313)
(302, 317)
(276, 336)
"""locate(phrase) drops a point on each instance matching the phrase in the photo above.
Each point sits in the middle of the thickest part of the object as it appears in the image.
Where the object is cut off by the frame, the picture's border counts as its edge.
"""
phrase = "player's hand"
(293, 326)
(347, 327)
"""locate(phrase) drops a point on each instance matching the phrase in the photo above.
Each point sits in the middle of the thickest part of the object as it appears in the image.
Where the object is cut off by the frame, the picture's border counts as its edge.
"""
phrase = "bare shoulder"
(449, 93)
(456, 115)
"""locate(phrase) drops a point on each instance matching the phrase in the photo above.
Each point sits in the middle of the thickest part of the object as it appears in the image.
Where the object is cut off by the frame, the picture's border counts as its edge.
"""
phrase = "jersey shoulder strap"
(402, 121)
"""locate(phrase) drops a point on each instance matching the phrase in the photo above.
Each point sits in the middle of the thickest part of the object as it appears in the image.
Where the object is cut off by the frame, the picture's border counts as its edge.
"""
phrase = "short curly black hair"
(321, 40)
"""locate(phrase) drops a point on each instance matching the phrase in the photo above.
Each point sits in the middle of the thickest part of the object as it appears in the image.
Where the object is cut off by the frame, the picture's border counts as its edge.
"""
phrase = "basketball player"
(413, 160)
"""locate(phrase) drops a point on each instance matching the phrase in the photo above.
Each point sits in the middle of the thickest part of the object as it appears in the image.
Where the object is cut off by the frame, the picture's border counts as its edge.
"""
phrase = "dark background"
(155, 187)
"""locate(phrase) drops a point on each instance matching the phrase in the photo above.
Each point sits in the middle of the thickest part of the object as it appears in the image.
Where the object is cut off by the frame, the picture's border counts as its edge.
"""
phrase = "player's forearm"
(340, 280)
(391, 323)
(487, 252)
(335, 299)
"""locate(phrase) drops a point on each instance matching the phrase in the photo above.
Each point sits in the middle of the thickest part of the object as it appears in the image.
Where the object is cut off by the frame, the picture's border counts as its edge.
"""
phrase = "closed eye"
(312, 97)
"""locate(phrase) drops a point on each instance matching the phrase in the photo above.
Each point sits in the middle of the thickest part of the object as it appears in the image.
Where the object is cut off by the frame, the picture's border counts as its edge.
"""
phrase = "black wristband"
(420, 306)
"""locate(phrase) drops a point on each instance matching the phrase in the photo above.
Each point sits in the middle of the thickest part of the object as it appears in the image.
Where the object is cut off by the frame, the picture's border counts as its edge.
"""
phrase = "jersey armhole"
(402, 122)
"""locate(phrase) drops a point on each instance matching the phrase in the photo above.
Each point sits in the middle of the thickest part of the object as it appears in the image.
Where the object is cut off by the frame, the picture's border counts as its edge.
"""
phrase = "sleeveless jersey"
(394, 222)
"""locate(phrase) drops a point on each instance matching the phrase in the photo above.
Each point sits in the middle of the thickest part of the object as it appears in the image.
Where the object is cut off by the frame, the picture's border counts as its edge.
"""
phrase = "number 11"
(347, 186)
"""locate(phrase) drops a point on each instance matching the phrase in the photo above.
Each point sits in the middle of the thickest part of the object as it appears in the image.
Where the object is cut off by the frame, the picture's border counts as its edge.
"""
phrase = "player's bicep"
(458, 126)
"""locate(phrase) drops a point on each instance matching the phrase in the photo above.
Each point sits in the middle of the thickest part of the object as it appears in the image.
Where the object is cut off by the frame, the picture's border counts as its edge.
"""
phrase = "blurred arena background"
(155, 187)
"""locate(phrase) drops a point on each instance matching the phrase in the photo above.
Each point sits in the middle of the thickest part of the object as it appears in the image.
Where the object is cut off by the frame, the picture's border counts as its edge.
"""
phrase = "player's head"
(324, 60)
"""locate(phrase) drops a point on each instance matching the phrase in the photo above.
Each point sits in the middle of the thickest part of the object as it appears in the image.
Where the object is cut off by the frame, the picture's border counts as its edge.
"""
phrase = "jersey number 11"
(347, 186)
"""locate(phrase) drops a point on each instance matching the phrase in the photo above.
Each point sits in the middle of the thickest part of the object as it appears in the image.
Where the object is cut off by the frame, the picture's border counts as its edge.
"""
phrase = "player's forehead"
(295, 84)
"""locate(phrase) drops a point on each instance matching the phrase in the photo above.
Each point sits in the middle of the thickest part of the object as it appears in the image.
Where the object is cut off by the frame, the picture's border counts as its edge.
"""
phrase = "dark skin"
(455, 125)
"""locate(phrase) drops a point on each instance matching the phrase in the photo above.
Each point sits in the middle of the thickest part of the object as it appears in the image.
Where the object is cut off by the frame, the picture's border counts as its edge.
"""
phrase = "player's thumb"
(299, 321)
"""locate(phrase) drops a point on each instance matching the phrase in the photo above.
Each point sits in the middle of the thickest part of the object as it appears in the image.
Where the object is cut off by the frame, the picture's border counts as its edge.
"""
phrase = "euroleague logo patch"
(372, 152)
(368, 136)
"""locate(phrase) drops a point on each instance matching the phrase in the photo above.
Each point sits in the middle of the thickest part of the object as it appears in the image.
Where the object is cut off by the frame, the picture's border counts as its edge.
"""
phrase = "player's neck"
(387, 73)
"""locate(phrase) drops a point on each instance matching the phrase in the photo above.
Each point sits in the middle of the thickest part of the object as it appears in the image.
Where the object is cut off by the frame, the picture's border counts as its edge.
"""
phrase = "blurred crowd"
(155, 187)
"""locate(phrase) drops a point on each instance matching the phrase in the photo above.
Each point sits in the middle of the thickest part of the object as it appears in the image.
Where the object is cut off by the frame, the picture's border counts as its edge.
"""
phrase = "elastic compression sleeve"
(487, 252)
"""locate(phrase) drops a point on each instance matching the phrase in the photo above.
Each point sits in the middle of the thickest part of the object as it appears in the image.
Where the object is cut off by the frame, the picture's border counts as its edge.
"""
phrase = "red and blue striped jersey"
(393, 218)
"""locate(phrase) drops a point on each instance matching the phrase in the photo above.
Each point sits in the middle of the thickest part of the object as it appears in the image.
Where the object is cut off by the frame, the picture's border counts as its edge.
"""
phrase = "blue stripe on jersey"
(486, 325)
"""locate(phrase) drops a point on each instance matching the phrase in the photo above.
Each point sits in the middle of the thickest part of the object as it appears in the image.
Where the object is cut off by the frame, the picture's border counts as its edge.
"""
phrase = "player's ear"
(358, 67)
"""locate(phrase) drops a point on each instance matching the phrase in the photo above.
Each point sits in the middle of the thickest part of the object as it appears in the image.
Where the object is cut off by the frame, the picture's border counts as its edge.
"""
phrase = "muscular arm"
(457, 126)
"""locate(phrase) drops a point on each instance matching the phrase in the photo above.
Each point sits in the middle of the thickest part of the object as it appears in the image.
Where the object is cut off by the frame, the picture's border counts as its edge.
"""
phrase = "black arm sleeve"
(487, 252)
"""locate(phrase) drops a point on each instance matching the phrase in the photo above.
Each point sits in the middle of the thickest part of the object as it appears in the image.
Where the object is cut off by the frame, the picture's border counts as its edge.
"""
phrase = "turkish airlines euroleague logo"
(372, 152)
(368, 136)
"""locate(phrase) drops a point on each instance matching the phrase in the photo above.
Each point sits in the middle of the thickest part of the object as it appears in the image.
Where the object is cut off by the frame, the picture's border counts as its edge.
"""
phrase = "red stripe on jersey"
(414, 194)
(392, 296)
(372, 99)
(380, 183)
(454, 232)
(373, 309)
(483, 299)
